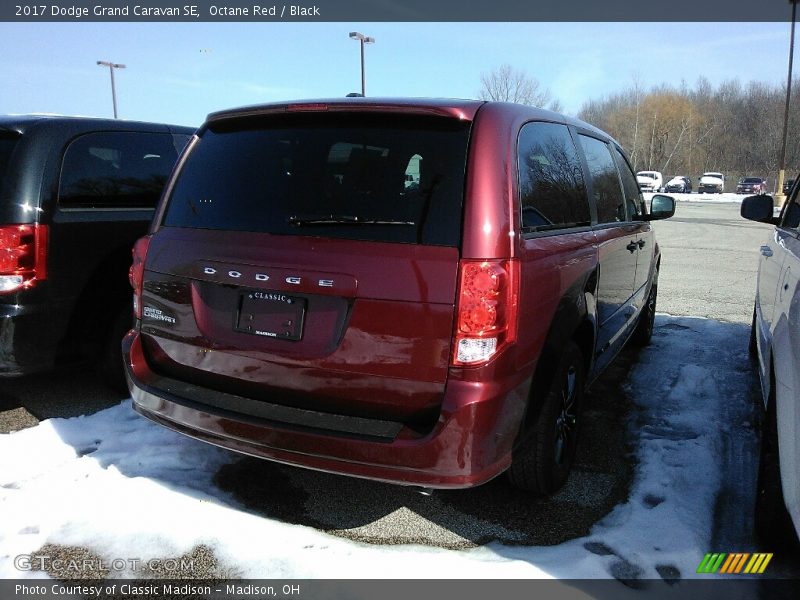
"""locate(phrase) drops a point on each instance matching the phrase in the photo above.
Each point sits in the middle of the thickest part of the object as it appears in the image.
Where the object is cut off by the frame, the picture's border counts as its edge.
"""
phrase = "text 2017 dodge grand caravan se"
(409, 291)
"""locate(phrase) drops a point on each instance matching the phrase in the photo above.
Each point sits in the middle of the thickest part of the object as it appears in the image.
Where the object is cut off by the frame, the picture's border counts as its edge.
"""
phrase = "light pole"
(111, 66)
(354, 35)
(782, 163)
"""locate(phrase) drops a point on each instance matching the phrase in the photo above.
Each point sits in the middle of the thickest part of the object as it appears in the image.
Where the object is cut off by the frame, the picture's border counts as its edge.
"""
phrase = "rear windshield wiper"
(299, 221)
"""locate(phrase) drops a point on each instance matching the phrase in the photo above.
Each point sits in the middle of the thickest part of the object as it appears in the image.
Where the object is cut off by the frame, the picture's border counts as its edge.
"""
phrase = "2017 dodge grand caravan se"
(75, 194)
(413, 291)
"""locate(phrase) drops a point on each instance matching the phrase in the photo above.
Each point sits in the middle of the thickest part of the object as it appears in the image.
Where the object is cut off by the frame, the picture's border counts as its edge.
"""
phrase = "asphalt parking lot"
(708, 269)
(710, 261)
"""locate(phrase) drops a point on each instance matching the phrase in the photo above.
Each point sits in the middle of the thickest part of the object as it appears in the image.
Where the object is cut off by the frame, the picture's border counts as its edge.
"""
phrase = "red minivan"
(413, 291)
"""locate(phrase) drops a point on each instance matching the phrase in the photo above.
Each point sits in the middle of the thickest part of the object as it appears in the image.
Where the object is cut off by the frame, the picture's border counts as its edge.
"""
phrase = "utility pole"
(355, 35)
(779, 196)
(111, 66)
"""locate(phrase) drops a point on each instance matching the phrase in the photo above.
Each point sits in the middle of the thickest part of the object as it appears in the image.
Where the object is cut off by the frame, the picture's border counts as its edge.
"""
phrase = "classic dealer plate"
(271, 314)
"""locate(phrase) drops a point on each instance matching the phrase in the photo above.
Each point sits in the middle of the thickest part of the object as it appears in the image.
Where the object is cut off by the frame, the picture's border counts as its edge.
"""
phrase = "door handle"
(641, 243)
(632, 247)
(766, 251)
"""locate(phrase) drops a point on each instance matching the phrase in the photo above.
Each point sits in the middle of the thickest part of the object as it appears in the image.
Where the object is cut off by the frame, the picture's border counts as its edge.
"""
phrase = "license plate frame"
(270, 314)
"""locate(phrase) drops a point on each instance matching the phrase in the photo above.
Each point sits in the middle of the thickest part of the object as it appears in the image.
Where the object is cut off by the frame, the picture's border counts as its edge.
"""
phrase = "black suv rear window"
(388, 178)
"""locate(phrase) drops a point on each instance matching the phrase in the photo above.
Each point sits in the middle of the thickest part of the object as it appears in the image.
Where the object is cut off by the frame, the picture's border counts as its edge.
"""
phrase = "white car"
(711, 182)
(775, 341)
(650, 181)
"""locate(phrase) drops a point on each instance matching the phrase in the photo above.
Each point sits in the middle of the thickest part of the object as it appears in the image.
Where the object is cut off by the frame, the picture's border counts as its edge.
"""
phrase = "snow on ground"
(121, 486)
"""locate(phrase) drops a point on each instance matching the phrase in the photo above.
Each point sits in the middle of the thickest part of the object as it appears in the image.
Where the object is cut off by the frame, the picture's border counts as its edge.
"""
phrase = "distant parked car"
(775, 341)
(650, 181)
(787, 186)
(751, 185)
(680, 184)
(711, 182)
(75, 194)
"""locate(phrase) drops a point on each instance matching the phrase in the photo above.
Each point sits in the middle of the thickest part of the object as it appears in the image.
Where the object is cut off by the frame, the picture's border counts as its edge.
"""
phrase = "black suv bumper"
(29, 337)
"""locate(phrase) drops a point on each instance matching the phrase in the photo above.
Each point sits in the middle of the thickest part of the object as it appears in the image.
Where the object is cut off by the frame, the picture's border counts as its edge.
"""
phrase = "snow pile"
(121, 486)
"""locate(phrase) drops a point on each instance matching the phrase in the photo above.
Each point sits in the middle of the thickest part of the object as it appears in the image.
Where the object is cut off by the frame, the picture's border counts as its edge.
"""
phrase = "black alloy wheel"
(544, 454)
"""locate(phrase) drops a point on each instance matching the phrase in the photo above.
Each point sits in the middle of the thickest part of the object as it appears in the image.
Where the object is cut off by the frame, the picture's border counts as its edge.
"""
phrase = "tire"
(543, 459)
(644, 326)
(752, 345)
(773, 523)
(110, 365)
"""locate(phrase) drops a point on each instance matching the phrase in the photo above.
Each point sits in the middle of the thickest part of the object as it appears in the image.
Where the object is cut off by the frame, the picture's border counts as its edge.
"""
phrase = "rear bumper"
(470, 444)
(29, 337)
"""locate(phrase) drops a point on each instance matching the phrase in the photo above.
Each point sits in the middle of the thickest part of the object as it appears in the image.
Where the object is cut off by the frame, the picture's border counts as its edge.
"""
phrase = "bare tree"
(506, 84)
(730, 128)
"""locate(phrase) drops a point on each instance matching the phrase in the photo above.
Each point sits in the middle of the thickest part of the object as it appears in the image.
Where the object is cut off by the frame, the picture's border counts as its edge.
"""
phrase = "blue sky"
(179, 72)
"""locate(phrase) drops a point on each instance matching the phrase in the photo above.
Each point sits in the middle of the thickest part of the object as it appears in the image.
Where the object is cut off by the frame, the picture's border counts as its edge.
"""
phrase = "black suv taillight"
(136, 273)
(23, 256)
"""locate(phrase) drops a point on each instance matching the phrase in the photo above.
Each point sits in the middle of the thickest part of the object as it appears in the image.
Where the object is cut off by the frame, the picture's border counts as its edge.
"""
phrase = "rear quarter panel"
(554, 267)
(554, 273)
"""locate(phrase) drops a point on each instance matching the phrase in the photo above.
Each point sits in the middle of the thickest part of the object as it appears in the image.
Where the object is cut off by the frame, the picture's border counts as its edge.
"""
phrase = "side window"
(605, 181)
(633, 195)
(551, 189)
(791, 217)
(121, 169)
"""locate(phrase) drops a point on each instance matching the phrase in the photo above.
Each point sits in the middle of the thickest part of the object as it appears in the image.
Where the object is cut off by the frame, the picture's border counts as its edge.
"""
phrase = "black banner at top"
(255, 11)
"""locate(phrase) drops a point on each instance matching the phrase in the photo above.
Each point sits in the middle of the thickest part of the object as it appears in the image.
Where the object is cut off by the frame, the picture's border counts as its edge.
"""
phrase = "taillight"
(486, 319)
(23, 256)
(136, 273)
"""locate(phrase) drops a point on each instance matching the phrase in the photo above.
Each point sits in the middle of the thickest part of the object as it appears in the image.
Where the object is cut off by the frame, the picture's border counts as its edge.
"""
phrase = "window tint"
(551, 188)
(354, 176)
(605, 180)
(7, 145)
(630, 187)
(117, 169)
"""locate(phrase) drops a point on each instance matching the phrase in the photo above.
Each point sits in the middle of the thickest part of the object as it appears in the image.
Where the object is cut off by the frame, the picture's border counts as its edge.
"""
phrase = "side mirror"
(759, 208)
(661, 207)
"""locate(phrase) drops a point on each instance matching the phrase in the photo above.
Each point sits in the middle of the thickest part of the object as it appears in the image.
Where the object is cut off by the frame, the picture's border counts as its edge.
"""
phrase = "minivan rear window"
(377, 177)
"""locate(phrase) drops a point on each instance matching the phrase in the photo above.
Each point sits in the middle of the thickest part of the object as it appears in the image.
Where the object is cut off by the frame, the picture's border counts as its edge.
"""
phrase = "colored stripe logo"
(736, 563)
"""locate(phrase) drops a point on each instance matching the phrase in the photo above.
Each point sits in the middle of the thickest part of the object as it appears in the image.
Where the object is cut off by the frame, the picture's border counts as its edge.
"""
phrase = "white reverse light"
(471, 350)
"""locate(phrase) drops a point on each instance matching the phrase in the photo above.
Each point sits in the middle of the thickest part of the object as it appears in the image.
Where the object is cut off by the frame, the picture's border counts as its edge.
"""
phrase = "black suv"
(75, 193)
